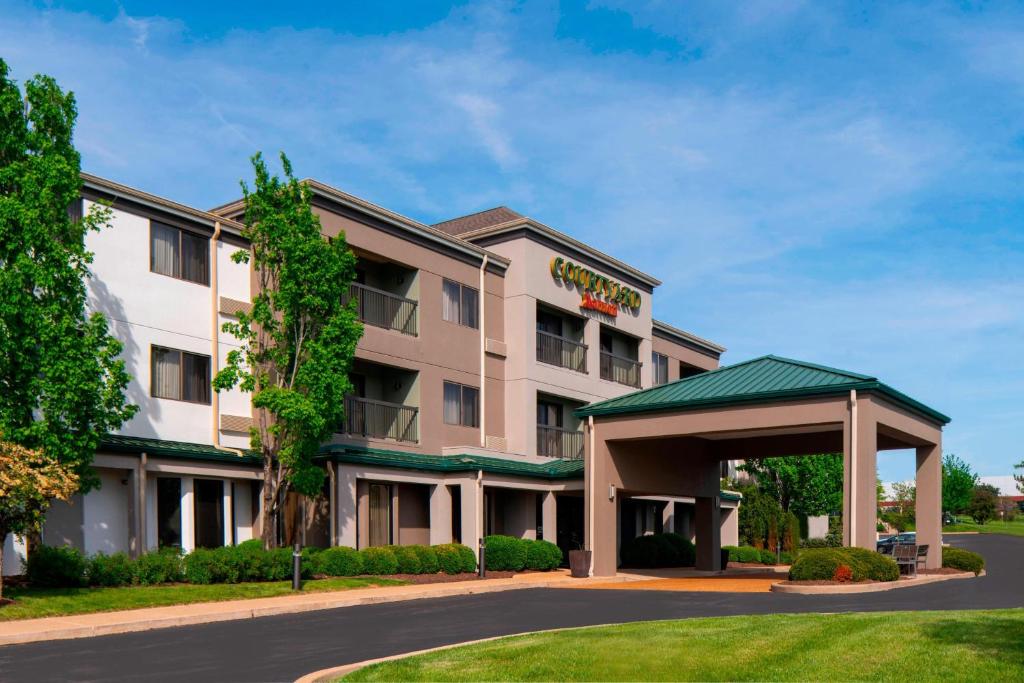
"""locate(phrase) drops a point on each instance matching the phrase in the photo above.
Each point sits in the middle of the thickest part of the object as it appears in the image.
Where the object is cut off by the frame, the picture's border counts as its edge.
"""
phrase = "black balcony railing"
(381, 420)
(565, 353)
(556, 442)
(620, 369)
(384, 309)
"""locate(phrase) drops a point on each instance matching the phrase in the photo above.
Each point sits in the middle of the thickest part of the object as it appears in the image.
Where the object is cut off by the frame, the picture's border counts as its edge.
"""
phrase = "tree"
(904, 494)
(805, 485)
(62, 381)
(296, 346)
(29, 481)
(958, 482)
(984, 503)
(1019, 477)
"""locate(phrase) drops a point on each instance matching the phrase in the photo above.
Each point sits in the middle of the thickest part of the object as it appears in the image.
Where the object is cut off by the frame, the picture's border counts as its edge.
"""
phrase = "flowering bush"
(843, 574)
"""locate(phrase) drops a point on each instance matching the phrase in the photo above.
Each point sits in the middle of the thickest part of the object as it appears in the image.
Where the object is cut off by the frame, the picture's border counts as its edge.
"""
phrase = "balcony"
(374, 419)
(556, 442)
(383, 309)
(620, 369)
(565, 353)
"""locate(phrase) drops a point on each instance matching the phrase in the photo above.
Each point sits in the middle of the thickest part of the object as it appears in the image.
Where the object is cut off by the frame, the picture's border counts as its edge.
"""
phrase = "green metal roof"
(116, 443)
(761, 380)
(556, 469)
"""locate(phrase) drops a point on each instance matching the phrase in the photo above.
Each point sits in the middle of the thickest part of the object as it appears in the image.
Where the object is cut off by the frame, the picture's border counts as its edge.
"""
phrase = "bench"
(905, 555)
(922, 555)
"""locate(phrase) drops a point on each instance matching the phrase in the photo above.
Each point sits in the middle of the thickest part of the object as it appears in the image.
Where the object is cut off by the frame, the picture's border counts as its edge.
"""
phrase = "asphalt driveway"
(286, 647)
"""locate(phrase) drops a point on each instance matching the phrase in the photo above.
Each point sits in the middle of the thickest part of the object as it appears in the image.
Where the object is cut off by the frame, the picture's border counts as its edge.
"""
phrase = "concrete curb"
(878, 587)
(131, 621)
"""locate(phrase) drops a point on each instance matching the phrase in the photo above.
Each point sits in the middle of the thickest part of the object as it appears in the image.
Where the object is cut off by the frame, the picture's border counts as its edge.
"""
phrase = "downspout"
(215, 345)
(853, 467)
(480, 516)
(590, 494)
(483, 353)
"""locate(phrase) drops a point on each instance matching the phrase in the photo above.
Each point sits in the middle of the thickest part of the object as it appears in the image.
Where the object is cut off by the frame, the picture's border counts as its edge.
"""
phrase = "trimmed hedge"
(745, 553)
(110, 570)
(159, 566)
(455, 558)
(965, 560)
(505, 553)
(820, 564)
(428, 559)
(408, 560)
(380, 560)
(686, 551)
(56, 567)
(339, 561)
(542, 555)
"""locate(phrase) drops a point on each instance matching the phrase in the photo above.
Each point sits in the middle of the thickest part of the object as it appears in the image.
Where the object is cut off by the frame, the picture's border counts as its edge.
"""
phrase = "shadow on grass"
(998, 638)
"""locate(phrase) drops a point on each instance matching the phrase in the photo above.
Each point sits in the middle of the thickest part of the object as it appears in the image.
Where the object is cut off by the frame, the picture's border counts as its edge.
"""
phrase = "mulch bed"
(750, 565)
(942, 570)
(827, 583)
(439, 577)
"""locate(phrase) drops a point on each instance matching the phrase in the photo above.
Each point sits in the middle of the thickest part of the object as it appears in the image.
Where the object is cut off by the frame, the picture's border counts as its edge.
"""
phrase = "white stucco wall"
(14, 553)
(145, 308)
(105, 514)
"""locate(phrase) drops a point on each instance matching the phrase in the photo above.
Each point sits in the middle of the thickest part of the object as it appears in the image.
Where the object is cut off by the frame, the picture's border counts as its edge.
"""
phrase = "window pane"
(470, 305)
(470, 407)
(195, 258)
(168, 512)
(163, 249)
(166, 373)
(452, 399)
(380, 514)
(450, 293)
(209, 513)
(196, 378)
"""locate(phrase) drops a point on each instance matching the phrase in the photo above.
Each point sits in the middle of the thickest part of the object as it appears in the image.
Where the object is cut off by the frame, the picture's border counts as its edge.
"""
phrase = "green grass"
(1014, 528)
(51, 602)
(899, 646)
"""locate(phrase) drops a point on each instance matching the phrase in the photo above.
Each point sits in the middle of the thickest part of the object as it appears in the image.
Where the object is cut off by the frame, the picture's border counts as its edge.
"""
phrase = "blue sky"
(835, 183)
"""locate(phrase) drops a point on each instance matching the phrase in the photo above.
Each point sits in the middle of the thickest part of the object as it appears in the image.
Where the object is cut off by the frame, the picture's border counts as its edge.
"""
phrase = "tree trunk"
(269, 531)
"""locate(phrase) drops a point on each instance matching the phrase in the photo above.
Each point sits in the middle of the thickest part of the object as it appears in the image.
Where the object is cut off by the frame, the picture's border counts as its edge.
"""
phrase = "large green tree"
(62, 381)
(804, 485)
(296, 346)
(958, 482)
(984, 503)
(1019, 477)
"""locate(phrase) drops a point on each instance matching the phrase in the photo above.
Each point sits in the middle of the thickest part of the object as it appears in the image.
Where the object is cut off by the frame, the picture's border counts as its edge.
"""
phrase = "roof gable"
(761, 379)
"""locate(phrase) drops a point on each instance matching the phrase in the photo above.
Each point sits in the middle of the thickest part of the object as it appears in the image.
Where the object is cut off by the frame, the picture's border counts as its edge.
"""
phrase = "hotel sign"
(599, 293)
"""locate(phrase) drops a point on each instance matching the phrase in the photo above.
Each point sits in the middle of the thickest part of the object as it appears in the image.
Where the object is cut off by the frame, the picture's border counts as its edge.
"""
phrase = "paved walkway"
(283, 648)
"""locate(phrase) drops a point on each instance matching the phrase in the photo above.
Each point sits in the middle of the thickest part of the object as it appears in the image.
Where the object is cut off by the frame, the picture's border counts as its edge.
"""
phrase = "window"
(461, 405)
(660, 370)
(209, 512)
(549, 414)
(168, 512)
(180, 254)
(461, 304)
(380, 514)
(180, 375)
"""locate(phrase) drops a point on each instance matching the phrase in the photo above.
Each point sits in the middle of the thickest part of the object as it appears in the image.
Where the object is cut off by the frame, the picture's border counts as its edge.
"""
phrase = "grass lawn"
(1014, 528)
(51, 602)
(901, 646)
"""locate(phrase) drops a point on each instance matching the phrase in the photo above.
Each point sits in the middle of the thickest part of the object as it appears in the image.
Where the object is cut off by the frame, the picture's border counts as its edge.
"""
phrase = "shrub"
(408, 560)
(843, 574)
(311, 561)
(820, 564)
(428, 559)
(791, 532)
(452, 560)
(734, 552)
(340, 561)
(787, 558)
(159, 566)
(767, 556)
(277, 565)
(467, 558)
(684, 549)
(748, 554)
(641, 552)
(379, 561)
(505, 553)
(110, 570)
(958, 558)
(543, 556)
(56, 567)
(203, 566)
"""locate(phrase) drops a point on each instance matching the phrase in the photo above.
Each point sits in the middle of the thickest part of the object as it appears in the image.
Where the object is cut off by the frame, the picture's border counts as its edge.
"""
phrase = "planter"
(579, 563)
(725, 558)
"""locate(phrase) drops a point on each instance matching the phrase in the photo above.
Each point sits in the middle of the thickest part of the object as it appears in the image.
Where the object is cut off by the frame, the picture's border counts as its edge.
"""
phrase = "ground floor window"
(380, 514)
(209, 512)
(168, 512)
(456, 494)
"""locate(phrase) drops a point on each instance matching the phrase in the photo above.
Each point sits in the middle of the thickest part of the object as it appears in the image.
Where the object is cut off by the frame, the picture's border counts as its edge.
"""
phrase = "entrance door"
(380, 514)
(168, 512)
(569, 520)
(209, 513)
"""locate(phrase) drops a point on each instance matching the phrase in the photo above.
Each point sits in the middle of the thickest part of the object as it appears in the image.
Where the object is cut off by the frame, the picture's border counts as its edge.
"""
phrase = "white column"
(472, 512)
(347, 502)
(730, 526)
(229, 509)
(668, 517)
(549, 516)
(440, 514)
(188, 520)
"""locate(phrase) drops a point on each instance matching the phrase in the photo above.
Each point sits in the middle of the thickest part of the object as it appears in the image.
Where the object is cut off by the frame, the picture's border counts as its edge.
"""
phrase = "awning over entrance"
(671, 439)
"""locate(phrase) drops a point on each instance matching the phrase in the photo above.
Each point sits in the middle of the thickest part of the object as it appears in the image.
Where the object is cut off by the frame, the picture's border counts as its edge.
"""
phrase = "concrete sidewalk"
(105, 623)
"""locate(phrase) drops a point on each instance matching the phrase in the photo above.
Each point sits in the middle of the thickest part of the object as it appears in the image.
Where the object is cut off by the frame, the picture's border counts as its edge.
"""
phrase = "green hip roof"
(761, 380)
(556, 469)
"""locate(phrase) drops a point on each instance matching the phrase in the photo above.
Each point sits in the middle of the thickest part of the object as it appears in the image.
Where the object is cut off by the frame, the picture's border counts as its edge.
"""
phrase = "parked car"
(907, 537)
